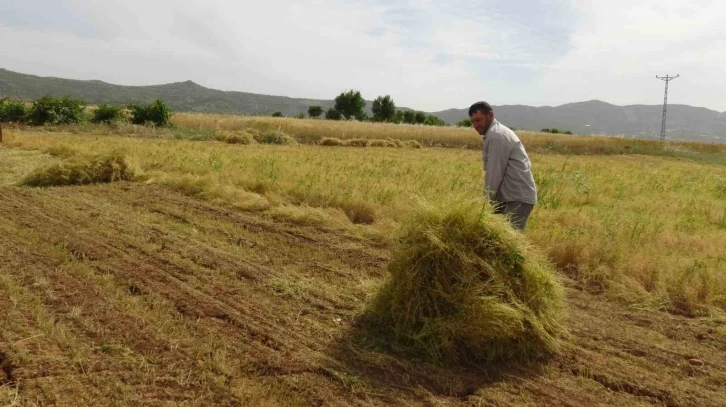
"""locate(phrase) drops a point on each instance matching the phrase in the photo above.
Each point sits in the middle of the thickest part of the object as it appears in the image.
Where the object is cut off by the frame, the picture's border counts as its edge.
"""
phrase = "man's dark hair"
(481, 107)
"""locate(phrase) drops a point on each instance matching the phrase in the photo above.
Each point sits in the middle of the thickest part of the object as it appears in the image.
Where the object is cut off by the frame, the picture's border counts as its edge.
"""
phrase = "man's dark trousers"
(517, 212)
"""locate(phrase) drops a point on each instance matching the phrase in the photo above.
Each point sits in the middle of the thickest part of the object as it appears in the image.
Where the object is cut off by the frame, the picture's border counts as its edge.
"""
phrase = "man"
(508, 180)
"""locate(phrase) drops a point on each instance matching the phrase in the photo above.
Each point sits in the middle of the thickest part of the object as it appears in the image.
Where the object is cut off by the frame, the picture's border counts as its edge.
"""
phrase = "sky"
(428, 55)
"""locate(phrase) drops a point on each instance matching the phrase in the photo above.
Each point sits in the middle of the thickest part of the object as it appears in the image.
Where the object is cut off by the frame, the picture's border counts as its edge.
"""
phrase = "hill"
(597, 117)
(592, 117)
(182, 96)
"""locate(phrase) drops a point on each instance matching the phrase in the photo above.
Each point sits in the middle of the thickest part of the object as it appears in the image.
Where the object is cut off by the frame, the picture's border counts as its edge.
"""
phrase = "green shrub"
(409, 117)
(315, 111)
(277, 114)
(107, 114)
(156, 113)
(12, 111)
(49, 110)
(432, 120)
(466, 288)
(93, 170)
(333, 114)
(464, 123)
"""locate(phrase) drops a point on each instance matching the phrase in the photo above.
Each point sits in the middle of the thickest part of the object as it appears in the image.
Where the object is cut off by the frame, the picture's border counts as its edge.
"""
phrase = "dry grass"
(466, 288)
(331, 141)
(596, 216)
(357, 142)
(134, 294)
(309, 131)
(380, 143)
(111, 167)
(16, 164)
(200, 127)
(274, 137)
(235, 137)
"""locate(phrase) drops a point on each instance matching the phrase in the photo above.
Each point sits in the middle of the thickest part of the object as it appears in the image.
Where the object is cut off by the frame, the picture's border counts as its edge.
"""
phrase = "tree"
(384, 109)
(156, 113)
(333, 114)
(12, 111)
(398, 118)
(432, 120)
(49, 110)
(315, 111)
(350, 104)
(277, 114)
(409, 116)
(464, 123)
(300, 115)
(419, 118)
(107, 114)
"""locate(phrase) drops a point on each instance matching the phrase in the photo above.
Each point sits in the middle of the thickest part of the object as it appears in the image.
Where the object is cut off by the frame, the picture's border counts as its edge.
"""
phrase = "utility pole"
(666, 79)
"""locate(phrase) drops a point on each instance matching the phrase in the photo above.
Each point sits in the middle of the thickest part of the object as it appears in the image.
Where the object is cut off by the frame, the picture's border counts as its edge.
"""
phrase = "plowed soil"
(133, 294)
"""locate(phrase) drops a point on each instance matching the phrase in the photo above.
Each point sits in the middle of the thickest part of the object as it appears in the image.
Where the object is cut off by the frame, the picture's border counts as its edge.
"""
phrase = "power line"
(666, 79)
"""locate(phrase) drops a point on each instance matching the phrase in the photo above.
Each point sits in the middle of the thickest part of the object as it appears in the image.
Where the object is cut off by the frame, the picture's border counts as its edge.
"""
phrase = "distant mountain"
(181, 96)
(593, 117)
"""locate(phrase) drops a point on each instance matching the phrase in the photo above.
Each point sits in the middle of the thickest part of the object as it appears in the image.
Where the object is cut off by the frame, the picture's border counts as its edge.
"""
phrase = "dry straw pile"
(465, 287)
(81, 171)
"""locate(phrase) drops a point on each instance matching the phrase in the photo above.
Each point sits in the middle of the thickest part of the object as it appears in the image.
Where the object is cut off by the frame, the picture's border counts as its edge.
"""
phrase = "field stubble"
(134, 294)
(648, 230)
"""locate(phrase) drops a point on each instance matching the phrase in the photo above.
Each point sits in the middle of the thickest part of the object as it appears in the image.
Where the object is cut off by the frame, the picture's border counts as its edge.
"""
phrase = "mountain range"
(591, 117)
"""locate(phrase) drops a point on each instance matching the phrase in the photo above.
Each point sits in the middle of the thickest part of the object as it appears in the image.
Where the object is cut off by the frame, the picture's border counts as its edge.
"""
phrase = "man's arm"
(495, 163)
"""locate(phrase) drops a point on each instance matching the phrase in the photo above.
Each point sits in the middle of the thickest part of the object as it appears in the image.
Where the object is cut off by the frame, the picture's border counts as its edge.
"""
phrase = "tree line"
(351, 104)
(52, 111)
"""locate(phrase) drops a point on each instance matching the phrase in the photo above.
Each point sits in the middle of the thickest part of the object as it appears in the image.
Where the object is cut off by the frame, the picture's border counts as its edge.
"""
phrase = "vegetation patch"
(412, 144)
(107, 114)
(357, 142)
(94, 170)
(274, 137)
(465, 287)
(235, 137)
(156, 113)
(50, 110)
(331, 141)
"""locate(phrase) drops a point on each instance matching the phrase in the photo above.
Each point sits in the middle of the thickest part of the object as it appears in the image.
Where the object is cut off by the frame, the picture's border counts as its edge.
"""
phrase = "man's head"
(481, 115)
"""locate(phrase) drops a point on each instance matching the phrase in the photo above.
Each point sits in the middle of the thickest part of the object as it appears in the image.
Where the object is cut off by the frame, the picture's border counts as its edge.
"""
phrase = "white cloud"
(620, 46)
(419, 52)
(427, 55)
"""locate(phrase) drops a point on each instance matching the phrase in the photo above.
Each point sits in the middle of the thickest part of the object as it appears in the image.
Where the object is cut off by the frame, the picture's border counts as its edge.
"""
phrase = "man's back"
(508, 171)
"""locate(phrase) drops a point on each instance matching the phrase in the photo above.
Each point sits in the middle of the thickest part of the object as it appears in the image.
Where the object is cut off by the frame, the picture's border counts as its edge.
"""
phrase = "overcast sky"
(429, 55)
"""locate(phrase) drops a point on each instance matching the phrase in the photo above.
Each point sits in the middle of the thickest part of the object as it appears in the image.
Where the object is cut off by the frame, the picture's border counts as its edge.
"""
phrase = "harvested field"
(132, 294)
